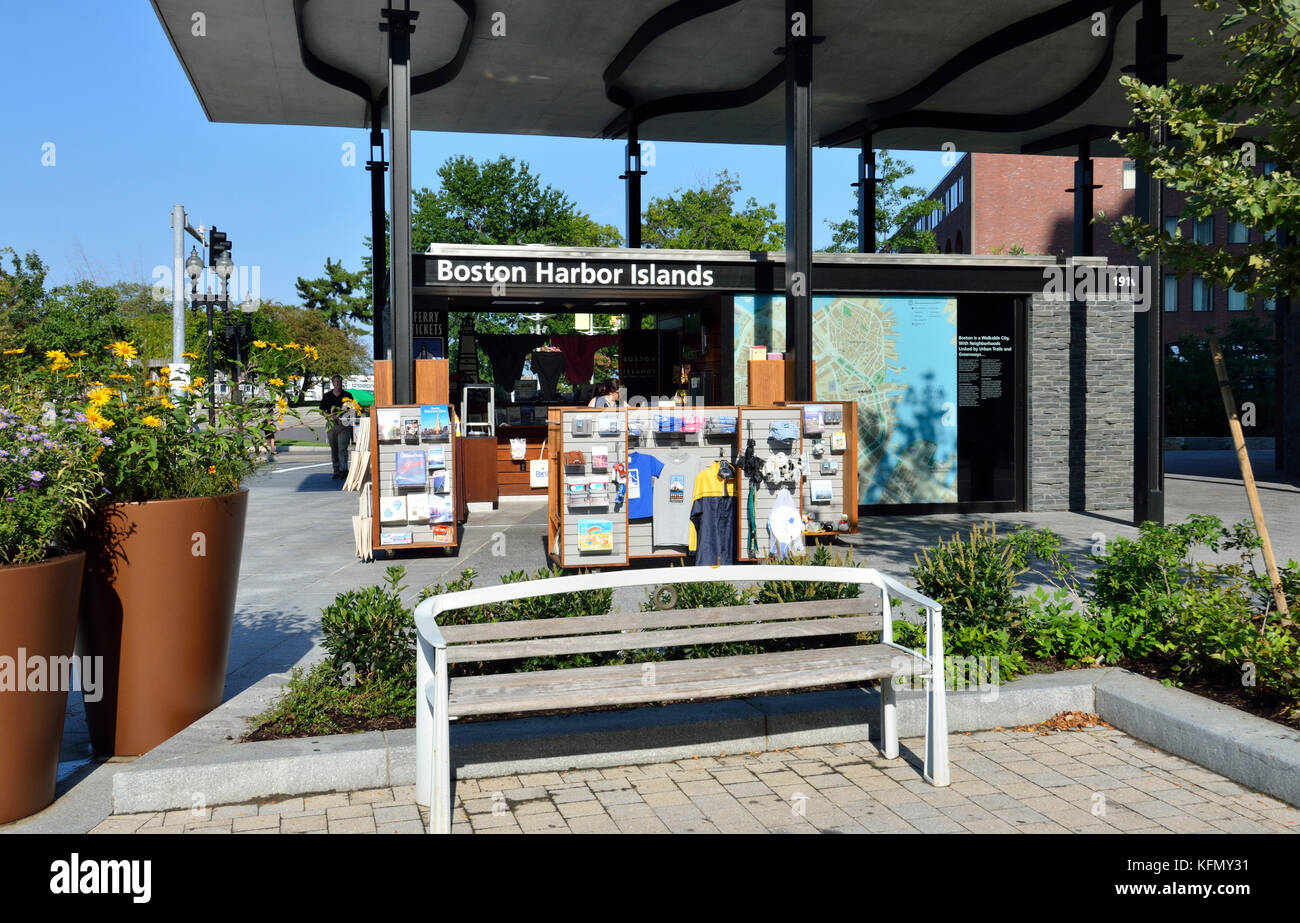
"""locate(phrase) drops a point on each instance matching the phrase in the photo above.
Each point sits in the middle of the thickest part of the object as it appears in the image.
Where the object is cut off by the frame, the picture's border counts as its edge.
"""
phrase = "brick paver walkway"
(1093, 781)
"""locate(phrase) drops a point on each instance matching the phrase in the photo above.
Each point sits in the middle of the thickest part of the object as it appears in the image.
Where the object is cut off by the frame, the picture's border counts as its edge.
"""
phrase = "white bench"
(441, 699)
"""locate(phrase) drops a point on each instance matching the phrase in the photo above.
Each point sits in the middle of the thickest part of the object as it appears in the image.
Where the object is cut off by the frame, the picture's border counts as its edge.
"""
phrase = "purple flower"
(37, 476)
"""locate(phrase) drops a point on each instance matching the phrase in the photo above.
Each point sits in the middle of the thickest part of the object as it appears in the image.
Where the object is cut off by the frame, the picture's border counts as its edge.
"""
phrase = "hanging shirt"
(713, 515)
(673, 495)
(642, 469)
(784, 527)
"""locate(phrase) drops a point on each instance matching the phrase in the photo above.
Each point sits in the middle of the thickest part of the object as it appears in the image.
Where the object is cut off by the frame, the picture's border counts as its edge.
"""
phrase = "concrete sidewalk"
(1092, 781)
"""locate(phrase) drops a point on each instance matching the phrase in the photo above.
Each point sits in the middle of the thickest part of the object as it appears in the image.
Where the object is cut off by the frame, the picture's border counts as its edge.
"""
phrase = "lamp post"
(223, 265)
(241, 333)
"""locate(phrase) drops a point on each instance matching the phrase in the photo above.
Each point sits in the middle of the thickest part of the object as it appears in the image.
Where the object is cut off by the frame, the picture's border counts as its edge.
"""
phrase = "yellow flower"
(100, 396)
(165, 373)
(162, 399)
(97, 420)
(58, 360)
(278, 382)
(311, 352)
(199, 381)
(260, 344)
(212, 469)
(122, 376)
(16, 352)
(152, 422)
(189, 355)
(123, 349)
(79, 353)
(292, 345)
(72, 375)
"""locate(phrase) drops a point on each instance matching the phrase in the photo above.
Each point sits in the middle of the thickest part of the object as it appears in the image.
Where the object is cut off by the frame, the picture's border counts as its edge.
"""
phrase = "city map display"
(895, 356)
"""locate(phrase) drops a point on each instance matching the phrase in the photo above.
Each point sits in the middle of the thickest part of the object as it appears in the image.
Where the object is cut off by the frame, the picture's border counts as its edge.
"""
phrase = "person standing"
(338, 433)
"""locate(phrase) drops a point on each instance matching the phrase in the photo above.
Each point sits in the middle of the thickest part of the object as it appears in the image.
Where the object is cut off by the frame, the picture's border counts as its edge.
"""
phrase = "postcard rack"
(414, 477)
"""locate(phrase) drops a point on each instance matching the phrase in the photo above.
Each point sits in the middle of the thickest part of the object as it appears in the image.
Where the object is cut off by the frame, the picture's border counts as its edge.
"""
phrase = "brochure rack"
(416, 495)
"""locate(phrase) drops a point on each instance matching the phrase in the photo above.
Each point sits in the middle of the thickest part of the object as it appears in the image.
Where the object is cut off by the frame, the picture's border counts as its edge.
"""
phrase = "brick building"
(1005, 203)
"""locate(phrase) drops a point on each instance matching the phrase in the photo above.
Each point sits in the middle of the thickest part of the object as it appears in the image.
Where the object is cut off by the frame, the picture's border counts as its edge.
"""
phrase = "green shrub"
(371, 632)
(974, 579)
(787, 591)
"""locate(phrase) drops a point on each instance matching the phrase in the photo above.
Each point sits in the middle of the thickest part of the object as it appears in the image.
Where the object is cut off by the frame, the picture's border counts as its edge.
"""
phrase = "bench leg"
(442, 793)
(888, 718)
(936, 705)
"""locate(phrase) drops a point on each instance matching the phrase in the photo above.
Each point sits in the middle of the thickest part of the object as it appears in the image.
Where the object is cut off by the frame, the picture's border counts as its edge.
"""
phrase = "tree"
(501, 202)
(897, 209)
(1215, 139)
(706, 218)
(1250, 354)
(81, 316)
(340, 294)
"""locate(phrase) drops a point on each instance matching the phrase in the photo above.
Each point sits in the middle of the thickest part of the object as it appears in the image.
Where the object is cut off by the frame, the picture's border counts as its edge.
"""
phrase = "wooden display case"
(383, 469)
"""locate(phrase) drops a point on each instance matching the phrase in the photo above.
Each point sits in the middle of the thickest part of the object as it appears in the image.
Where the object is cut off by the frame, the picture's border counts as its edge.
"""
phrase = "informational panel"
(986, 400)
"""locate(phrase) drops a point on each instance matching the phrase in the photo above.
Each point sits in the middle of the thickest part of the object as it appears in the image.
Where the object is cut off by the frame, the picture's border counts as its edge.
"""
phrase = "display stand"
(415, 470)
(587, 525)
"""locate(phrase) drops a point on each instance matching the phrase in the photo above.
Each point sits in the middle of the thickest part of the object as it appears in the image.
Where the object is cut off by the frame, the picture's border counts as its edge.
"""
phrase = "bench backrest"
(509, 640)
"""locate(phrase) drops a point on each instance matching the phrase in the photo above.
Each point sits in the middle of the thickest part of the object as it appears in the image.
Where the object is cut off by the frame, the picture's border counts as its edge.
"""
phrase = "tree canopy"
(341, 295)
(706, 218)
(1215, 143)
(897, 208)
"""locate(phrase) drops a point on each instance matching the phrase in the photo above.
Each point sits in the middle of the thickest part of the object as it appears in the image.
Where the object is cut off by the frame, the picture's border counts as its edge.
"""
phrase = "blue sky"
(99, 82)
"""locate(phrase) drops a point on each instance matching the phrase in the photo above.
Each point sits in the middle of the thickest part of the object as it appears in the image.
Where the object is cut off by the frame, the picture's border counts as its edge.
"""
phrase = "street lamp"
(223, 266)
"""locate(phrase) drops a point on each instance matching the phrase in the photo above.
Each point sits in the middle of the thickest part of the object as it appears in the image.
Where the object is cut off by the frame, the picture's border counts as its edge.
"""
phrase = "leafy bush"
(786, 591)
(974, 579)
(371, 632)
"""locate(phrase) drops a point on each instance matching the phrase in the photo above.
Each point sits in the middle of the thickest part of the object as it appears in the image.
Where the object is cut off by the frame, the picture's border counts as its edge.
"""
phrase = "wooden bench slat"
(677, 680)
(670, 618)
(677, 637)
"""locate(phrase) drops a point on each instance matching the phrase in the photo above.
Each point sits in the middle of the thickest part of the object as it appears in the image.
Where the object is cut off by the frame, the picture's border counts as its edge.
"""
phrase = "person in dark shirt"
(339, 434)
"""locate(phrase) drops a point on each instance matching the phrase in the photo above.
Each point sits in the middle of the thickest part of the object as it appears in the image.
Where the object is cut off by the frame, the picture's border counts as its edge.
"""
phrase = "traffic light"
(217, 245)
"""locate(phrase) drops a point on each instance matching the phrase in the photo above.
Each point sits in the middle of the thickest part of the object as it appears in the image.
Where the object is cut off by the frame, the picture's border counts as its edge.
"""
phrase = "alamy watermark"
(1085, 282)
(38, 673)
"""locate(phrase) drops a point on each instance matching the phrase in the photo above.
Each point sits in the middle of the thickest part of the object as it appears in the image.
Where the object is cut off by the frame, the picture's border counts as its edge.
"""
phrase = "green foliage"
(974, 578)
(706, 218)
(341, 295)
(48, 478)
(500, 202)
(784, 591)
(898, 207)
(1250, 354)
(1218, 138)
(370, 632)
(322, 701)
(68, 317)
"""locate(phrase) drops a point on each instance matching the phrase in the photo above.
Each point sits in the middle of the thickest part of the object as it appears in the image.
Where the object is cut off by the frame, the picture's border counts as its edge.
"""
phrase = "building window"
(1171, 292)
(1202, 295)
(1171, 226)
(1271, 235)
(1237, 233)
(1130, 180)
(1205, 230)
(1270, 304)
(1236, 300)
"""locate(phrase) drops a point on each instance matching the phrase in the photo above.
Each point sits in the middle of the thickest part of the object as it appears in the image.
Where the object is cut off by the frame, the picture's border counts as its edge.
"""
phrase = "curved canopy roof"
(1011, 76)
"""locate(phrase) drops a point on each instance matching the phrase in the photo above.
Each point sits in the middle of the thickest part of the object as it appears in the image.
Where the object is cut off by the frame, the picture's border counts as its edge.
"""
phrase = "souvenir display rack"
(588, 521)
(414, 470)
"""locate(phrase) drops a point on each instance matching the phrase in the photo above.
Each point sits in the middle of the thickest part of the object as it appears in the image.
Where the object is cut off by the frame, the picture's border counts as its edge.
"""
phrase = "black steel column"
(399, 25)
(1083, 202)
(1282, 366)
(798, 192)
(632, 173)
(866, 186)
(376, 166)
(1148, 346)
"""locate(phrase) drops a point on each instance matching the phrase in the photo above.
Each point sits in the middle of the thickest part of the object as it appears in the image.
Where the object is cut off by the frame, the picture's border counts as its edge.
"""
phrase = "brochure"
(390, 425)
(394, 538)
(595, 535)
(438, 481)
(838, 442)
(411, 430)
(441, 509)
(444, 534)
(821, 491)
(392, 509)
(435, 423)
(410, 469)
(437, 456)
(417, 508)
(599, 458)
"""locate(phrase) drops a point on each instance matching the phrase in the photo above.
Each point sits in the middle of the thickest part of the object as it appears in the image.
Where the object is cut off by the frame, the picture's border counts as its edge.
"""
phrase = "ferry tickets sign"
(583, 273)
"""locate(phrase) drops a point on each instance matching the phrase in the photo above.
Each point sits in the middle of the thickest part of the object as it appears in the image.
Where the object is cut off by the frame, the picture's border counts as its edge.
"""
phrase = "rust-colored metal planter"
(158, 605)
(38, 630)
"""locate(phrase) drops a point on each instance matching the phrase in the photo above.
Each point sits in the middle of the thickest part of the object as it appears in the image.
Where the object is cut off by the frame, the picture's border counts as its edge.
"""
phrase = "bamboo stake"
(1243, 458)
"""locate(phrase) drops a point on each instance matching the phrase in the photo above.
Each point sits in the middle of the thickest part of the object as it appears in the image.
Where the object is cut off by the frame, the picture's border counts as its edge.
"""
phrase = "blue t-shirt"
(642, 469)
